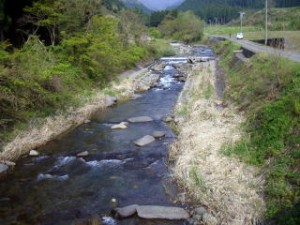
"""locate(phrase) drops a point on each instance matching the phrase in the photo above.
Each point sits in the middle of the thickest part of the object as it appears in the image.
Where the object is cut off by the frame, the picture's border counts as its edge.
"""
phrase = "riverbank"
(51, 127)
(266, 89)
(226, 187)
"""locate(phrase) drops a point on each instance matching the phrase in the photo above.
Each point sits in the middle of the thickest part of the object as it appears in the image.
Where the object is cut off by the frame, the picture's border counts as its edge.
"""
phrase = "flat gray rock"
(140, 119)
(3, 168)
(158, 134)
(144, 140)
(161, 212)
(126, 211)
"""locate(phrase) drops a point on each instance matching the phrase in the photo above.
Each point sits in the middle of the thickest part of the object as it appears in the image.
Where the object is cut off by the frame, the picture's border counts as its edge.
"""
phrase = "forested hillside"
(219, 11)
(135, 4)
(54, 51)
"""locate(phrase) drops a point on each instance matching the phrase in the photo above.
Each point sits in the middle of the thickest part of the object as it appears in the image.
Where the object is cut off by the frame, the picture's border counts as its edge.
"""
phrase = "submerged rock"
(34, 153)
(113, 202)
(158, 134)
(140, 119)
(144, 140)
(162, 212)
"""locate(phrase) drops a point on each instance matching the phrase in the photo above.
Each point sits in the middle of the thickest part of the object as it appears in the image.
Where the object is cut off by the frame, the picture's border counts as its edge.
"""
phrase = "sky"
(160, 4)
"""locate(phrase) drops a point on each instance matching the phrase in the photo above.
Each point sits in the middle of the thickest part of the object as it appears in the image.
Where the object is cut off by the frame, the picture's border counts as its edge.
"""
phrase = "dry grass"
(226, 186)
(40, 133)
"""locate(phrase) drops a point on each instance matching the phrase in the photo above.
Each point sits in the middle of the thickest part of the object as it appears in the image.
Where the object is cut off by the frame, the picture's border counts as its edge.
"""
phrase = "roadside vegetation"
(226, 30)
(266, 89)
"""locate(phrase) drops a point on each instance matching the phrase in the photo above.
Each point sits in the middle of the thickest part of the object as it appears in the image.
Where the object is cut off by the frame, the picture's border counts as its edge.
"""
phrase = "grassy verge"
(267, 89)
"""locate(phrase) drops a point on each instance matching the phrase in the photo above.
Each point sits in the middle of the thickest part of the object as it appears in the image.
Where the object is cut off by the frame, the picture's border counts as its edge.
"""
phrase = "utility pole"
(242, 16)
(266, 28)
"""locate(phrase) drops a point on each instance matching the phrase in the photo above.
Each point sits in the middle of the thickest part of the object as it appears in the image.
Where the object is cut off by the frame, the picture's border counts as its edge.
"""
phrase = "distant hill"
(157, 5)
(220, 11)
(136, 4)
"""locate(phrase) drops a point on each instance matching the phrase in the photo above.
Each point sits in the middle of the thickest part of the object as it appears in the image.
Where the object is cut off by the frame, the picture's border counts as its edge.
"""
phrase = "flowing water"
(58, 188)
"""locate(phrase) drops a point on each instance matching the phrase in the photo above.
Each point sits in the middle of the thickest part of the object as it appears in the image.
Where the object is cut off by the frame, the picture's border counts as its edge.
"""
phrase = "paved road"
(254, 47)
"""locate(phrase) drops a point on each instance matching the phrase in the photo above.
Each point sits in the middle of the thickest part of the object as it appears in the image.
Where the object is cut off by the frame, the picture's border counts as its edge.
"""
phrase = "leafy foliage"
(88, 48)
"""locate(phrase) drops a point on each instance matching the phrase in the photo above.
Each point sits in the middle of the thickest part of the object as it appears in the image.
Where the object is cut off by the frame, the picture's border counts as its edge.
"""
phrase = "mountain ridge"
(152, 5)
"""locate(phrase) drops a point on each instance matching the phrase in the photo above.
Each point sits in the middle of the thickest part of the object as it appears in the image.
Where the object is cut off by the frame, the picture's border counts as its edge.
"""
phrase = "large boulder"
(146, 82)
(140, 119)
(162, 212)
(146, 140)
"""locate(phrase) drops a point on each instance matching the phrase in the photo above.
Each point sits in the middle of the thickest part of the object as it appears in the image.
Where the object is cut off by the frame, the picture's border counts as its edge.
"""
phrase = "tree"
(48, 14)
(186, 27)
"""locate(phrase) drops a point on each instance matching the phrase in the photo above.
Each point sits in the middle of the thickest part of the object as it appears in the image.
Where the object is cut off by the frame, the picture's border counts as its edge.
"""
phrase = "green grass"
(208, 91)
(197, 178)
(227, 30)
(267, 89)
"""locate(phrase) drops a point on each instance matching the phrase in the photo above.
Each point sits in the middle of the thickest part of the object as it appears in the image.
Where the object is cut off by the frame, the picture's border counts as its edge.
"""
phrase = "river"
(59, 188)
